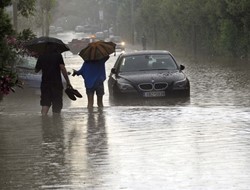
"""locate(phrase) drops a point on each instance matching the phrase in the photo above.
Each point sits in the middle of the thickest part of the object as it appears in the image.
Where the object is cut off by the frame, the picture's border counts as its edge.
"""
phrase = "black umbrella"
(45, 44)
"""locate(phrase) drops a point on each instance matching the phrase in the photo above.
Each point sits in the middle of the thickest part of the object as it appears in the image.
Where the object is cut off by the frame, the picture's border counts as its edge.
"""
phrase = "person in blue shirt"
(94, 74)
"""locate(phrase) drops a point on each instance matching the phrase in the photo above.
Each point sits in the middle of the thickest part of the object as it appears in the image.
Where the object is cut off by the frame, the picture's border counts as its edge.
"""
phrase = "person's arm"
(65, 74)
(37, 70)
(79, 72)
(37, 67)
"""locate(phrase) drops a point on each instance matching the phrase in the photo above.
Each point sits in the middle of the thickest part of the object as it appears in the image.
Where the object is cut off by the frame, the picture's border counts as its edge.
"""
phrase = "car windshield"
(147, 62)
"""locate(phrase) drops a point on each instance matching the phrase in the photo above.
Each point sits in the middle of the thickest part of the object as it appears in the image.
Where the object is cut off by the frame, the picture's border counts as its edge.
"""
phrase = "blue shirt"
(93, 72)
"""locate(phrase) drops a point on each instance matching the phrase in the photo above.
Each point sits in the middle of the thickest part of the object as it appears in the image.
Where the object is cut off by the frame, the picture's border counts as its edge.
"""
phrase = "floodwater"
(198, 144)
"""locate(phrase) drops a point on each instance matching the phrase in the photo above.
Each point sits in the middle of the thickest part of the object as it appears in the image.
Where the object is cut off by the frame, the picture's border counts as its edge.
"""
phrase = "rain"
(195, 142)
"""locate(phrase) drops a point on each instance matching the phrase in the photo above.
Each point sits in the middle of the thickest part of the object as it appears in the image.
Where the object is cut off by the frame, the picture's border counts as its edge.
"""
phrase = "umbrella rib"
(97, 50)
(93, 53)
(103, 50)
(88, 49)
(106, 48)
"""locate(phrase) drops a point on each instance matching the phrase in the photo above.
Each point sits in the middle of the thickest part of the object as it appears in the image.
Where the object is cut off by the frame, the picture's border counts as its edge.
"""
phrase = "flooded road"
(198, 144)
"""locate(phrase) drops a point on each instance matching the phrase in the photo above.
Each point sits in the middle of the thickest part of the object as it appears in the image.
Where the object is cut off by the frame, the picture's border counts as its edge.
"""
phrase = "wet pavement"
(202, 143)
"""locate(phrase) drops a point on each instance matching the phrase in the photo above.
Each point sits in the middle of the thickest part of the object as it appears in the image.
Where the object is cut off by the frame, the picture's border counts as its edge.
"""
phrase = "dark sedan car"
(147, 74)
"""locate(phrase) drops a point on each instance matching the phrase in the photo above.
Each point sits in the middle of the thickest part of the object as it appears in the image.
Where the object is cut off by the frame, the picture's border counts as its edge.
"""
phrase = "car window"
(147, 62)
(163, 62)
(134, 63)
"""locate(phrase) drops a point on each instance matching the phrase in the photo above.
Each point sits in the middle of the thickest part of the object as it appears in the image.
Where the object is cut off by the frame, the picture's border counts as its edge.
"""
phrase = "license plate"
(154, 94)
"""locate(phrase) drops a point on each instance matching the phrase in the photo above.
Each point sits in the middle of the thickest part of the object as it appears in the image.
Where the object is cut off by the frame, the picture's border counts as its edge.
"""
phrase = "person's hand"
(69, 86)
(74, 73)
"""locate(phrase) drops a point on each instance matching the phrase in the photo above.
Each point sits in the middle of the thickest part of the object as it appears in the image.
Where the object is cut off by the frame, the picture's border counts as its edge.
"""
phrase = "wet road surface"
(198, 144)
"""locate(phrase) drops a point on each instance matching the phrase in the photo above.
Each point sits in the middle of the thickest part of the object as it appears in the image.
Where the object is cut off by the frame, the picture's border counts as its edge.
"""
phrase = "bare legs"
(45, 110)
(99, 101)
(91, 101)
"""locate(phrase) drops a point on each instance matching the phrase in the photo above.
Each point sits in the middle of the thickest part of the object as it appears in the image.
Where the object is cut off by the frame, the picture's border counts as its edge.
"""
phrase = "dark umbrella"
(97, 50)
(45, 44)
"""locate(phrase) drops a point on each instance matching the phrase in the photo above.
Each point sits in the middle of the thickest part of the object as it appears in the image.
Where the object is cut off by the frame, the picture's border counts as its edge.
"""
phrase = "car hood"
(168, 76)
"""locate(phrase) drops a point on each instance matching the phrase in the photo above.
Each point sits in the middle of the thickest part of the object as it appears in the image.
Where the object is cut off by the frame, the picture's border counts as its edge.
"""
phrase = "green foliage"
(47, 4)
(212, 27)
(5, 25)
(26, 35)
(4, 3)
(228, 36)
(5, 29)
(11, 46)
(8, 80)
(26, 7)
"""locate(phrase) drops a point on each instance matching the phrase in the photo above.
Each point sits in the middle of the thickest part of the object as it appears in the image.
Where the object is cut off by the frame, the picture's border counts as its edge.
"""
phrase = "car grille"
(152, 86)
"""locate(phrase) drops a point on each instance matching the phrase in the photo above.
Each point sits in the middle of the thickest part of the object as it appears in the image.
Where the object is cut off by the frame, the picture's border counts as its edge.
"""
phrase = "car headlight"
(125, 87)
(181, 84)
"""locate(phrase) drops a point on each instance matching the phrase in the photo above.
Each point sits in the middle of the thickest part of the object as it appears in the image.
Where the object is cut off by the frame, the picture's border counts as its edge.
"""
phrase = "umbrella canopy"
(97, 50)
(45, 44)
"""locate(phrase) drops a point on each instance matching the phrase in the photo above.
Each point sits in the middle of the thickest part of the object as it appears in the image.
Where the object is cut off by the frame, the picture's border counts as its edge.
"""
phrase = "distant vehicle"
(106, 33)
(59, 29)
(25, 69)
(87, 29)
(52, 29)
(100, 35)
(79, 28)
(76, 45)
(120, 44)
(147, 74)
(95, 28)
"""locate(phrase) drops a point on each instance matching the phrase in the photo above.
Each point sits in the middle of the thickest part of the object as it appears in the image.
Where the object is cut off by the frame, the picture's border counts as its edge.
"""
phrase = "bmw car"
(147, 74)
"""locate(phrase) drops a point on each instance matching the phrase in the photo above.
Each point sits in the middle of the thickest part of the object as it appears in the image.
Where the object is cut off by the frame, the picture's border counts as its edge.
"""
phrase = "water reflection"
(54, 169)
(199, 143)
(97, 148)
(19, 151)
(172, 101)
(221, 83)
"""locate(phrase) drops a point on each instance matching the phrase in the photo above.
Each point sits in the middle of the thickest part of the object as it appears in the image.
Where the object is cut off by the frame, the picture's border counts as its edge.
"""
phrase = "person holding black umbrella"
(50, 62)
(52, 66)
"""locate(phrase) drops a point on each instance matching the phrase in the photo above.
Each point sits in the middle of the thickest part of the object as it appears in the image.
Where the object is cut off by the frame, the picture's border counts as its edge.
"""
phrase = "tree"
(46, 7)
(22, 7)
(213, 27)
(10, 48)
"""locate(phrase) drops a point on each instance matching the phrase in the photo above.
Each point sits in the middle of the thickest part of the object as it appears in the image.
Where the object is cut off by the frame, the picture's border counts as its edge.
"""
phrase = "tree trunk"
(47, 23)
(155, 37)
(14, 3)
(43, 30)
(1, 96)
(194, 41)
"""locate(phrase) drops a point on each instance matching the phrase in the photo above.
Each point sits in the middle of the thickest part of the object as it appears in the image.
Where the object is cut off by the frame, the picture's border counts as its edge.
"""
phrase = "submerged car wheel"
(182, 93)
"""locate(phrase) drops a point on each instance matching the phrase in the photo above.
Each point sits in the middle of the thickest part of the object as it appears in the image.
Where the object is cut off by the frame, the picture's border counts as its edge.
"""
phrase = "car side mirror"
(113, 71)
(182, 67)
